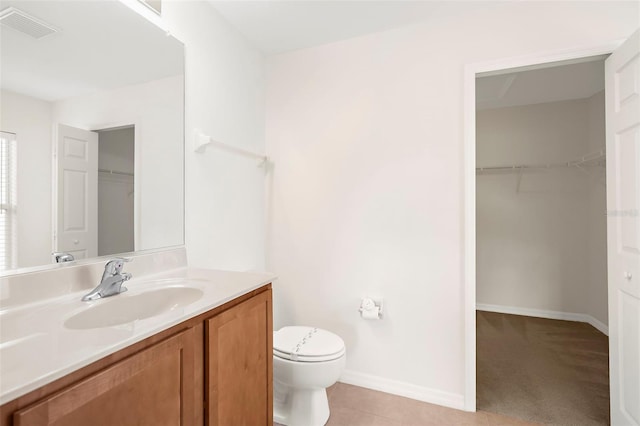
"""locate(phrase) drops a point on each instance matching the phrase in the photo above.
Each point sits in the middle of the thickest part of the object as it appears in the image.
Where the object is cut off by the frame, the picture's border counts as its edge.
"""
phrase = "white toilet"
(306, 361)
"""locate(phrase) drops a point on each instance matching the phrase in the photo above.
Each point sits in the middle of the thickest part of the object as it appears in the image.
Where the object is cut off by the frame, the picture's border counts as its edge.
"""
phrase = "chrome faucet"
(112, 280)
(61, 257)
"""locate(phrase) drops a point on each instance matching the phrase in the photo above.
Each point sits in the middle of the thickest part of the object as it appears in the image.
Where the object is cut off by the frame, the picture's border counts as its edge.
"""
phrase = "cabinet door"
(152, 387)
(240, 359)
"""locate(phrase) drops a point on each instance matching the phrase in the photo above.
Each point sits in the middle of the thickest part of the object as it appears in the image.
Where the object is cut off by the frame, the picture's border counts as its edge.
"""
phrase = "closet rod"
(585, 159)
(114, 172)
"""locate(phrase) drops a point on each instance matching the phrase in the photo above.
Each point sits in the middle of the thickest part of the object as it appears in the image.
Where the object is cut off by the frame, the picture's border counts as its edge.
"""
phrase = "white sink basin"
(125, 308)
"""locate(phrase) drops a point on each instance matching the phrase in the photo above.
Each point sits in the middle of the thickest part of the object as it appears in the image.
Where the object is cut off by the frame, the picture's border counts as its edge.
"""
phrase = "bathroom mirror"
(92, 142)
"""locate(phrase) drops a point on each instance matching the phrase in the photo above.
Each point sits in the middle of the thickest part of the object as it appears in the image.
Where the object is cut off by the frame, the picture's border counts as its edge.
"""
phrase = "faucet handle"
(115, 265)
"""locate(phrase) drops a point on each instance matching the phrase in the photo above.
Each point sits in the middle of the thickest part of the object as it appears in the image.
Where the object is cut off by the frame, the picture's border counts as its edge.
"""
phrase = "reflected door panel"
(77, 198)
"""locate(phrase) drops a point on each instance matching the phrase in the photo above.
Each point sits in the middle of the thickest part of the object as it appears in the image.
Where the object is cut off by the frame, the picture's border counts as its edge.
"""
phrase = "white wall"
(225, 201)
(533, 242)
(156, 109)
(367, 189)
(597, 248)
(225, 212)
(30, 119)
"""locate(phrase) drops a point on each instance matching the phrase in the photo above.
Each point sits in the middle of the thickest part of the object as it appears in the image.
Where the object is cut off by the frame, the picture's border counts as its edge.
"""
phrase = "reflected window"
(7, 200)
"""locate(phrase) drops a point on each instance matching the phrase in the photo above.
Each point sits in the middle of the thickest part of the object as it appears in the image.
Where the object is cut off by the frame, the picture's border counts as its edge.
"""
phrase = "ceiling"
(105, 45)
(102, 45)
(279, 26)
(553, 84)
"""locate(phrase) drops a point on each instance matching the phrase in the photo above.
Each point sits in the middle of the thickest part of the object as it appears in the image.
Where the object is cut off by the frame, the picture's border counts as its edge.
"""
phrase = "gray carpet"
(546, 371)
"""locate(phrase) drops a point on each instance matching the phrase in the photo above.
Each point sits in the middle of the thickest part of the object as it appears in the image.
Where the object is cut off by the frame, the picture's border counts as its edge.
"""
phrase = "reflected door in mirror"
(77, 192)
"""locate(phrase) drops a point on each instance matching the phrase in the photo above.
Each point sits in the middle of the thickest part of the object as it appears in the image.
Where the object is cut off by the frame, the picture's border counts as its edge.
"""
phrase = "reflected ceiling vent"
(25, 23)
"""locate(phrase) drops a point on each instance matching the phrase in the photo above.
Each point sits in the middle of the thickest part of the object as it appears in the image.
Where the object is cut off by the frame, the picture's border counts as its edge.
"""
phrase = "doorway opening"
(622, 110)
(541, 246)
(116, 183)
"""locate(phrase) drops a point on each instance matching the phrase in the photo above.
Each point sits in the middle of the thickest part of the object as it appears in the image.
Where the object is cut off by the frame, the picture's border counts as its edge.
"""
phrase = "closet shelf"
(589, 160)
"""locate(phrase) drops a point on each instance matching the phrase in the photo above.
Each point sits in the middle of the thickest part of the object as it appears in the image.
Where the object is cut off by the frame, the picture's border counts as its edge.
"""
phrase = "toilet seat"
(307, 344)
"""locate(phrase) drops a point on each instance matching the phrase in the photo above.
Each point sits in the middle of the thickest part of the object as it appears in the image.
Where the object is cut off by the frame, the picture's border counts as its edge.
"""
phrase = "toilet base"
(300, 407)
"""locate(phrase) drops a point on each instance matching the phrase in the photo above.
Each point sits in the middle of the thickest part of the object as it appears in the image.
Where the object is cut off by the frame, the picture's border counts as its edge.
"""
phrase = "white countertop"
(36, 348)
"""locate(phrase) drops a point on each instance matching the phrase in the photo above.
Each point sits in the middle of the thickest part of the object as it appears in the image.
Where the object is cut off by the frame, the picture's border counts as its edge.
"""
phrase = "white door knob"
(75, 241)
(628, 276)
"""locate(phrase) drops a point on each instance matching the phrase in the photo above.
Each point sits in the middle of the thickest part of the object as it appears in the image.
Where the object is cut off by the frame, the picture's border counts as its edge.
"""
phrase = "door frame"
(471, 71)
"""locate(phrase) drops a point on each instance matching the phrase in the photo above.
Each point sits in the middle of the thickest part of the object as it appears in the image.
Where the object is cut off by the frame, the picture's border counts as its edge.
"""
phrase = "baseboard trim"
(599, 325)
(407, 390)
(541, 313)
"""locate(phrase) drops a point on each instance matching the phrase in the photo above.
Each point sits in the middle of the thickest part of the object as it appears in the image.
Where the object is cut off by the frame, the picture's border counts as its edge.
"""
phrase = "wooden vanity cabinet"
(154, 387)
(215, 369)
(239, 353)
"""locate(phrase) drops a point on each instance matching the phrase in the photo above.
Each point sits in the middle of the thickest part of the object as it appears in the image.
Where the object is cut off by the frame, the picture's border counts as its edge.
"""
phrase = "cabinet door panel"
(240, 359)
(152, 387)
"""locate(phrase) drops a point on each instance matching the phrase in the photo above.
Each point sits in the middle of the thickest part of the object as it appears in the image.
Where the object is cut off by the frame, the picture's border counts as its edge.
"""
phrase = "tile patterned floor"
(356, 406)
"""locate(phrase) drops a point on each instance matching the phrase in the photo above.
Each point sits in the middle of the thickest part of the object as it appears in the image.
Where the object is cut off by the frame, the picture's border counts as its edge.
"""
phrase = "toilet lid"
(307, 344)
